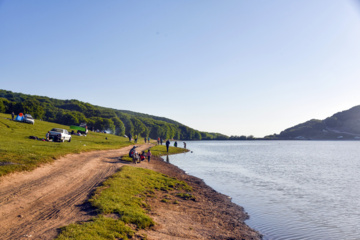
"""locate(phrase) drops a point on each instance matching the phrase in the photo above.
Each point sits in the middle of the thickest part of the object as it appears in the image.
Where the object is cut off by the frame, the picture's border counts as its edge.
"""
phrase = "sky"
(235, 67)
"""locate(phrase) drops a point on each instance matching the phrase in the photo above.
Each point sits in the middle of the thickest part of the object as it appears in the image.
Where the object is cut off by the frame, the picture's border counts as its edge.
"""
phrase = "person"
(48, 136)
(167, 145)
(130, 137)
(185, 145)
(12, 115)
(161, 140)
(158, 140)
(142, 156)
(132, 151)
(145, 139)
(148, 139)
(175, 144)
(135, 157)
(135, 138)
(148, 155)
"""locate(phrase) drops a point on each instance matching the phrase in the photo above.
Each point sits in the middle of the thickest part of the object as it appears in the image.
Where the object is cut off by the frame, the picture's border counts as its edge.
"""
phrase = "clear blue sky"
(234, 67)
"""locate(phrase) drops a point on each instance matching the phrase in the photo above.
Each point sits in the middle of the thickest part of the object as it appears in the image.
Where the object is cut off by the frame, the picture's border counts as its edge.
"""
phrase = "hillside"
(341, 125)
(118, 122)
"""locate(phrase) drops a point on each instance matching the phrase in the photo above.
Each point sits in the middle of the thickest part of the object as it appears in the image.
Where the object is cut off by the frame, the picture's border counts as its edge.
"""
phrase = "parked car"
(28, 119)
(60, 135)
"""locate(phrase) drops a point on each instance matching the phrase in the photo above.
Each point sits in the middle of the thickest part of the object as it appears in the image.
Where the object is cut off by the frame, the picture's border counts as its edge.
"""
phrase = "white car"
(28, 119)
(60, 135)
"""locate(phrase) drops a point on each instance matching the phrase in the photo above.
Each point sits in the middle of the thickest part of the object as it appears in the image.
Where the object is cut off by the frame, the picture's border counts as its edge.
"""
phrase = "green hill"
(118, 122)
(341, 125)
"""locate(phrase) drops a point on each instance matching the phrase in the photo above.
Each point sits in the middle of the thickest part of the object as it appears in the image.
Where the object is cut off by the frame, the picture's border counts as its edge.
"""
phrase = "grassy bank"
(159, 150)
(18, 152)
(121, 203)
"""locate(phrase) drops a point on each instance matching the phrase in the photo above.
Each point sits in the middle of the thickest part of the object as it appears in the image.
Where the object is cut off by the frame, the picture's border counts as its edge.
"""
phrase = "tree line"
(118, 122)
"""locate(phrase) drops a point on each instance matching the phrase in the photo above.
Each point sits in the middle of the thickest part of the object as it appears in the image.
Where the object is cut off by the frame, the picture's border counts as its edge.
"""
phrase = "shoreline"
(211, 216)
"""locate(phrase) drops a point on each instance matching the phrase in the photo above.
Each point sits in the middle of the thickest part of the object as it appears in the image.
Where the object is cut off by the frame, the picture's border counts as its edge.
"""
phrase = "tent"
(82, 129)
(19, 117)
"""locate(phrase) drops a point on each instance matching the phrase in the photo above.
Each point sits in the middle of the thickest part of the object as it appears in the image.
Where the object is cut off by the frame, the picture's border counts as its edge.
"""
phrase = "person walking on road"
(148, 155)
(167, 145)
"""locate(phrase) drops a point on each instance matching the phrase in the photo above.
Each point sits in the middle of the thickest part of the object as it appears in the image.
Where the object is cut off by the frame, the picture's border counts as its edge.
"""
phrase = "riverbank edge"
(223, 219)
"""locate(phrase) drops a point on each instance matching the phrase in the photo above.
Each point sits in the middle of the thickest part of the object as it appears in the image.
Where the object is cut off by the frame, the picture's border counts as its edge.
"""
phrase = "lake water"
(291, 189)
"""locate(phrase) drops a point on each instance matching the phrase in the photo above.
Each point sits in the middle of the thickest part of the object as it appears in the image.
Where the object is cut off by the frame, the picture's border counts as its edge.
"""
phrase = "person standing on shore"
(161, 140)
(148, 155)
(130, 137)
(158, 140)
(185, 145)
(175, 144)
(12, 115)
(167, 145)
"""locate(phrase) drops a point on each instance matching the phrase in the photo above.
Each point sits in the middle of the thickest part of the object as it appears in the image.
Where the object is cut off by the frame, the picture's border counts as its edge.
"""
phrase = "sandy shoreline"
(211, 216)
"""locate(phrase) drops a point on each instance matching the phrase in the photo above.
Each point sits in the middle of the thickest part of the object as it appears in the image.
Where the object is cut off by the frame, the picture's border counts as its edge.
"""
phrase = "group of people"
(136, 138)
(137, 158)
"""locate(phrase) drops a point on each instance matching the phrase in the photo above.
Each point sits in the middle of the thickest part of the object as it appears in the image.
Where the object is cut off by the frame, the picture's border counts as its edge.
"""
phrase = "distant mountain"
(341, 125)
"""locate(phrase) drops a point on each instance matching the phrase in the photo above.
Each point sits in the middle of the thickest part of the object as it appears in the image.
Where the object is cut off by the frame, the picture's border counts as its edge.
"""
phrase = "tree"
(4, 103)
(102, 124)
(119, 126)
(129, 127)
(197, 135)
(139, 127)
(69, 118)
(31, 106)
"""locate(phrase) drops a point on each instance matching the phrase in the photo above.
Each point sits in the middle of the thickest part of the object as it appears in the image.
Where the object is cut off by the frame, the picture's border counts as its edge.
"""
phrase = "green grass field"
(19, 153)
(123, 196)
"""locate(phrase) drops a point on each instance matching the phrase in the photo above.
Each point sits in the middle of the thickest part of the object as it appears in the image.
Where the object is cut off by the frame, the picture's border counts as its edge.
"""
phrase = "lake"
(291, 189)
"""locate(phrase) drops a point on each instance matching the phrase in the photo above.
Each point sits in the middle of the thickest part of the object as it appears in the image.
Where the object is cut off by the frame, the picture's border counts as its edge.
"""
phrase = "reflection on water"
(167, 159)
(291, 189)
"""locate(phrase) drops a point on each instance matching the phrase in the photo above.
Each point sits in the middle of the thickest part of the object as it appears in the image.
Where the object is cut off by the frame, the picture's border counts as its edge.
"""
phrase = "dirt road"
(33, 205)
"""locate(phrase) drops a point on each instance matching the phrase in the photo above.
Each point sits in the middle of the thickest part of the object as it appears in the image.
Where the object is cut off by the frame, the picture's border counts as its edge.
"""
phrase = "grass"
(123, 195)
(186, 196)
(20, 153)
(160, 150)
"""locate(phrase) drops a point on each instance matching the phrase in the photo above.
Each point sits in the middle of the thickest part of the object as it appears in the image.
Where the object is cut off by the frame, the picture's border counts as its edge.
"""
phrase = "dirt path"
(33, 205)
